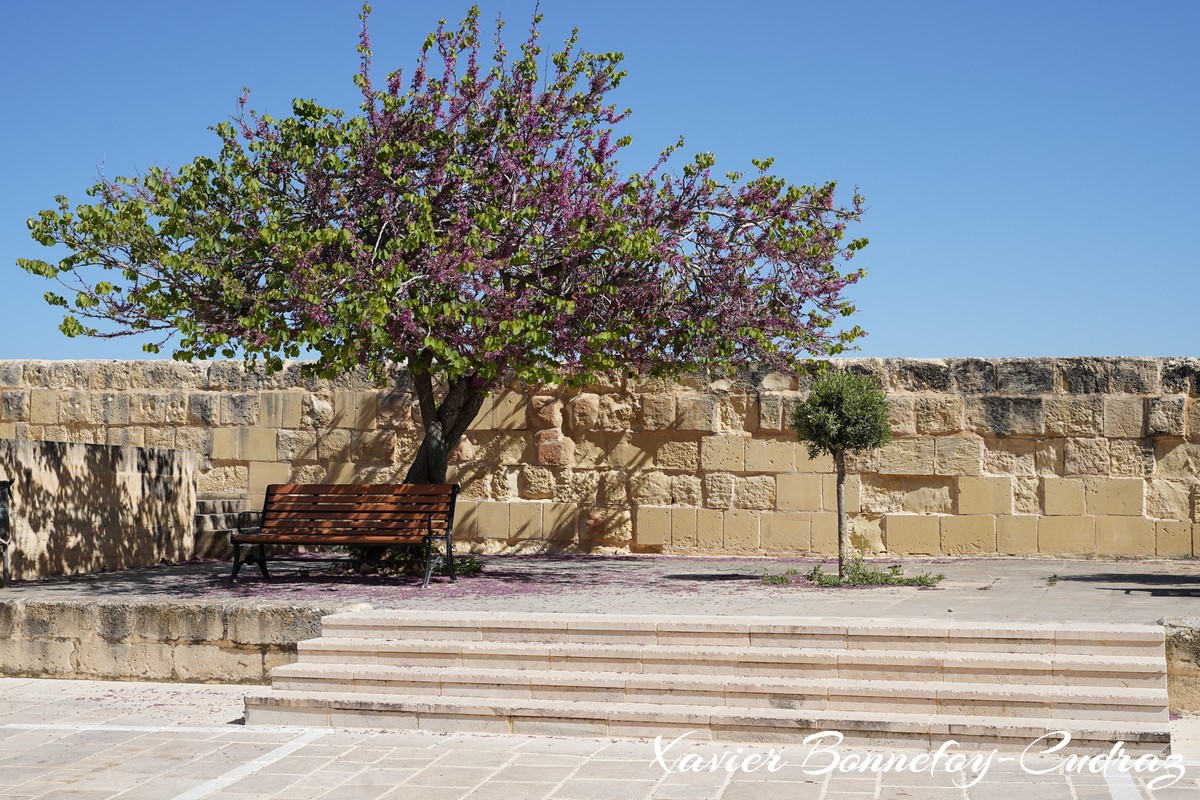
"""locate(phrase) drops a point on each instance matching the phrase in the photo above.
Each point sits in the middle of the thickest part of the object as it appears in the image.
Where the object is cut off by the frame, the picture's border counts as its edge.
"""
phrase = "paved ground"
(974, 589)
(134, 741)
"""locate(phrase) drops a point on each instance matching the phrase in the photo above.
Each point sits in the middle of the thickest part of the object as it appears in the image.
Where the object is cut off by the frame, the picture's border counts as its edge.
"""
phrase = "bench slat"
(392, 508)
(318, 525)
(410, 489)
(264, 538)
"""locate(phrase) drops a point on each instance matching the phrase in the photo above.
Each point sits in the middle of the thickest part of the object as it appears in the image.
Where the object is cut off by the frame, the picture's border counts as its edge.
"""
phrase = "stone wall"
(1063, 456)
(79, 508)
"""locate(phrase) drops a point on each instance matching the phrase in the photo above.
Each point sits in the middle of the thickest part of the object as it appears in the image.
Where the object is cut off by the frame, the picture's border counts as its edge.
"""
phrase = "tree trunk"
(444, 423)
(843, 545)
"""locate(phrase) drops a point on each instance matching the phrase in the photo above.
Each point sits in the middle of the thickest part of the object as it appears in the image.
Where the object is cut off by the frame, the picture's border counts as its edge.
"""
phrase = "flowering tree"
(471, 224)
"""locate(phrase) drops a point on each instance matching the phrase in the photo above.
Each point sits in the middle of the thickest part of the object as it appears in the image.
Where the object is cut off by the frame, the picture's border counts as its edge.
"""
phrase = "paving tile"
(603, 790)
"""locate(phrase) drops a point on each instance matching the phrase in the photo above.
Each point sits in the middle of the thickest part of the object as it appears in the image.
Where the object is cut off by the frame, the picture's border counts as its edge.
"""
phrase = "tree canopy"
(470, 222)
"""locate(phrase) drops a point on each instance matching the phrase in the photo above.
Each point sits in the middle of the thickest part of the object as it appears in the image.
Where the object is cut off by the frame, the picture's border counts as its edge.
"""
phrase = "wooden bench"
(363, 515)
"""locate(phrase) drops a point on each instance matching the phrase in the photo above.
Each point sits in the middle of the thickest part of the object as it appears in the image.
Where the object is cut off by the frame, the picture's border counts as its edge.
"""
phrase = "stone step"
(647, 721)
(926, 697)
(915, 635)
(776, 662)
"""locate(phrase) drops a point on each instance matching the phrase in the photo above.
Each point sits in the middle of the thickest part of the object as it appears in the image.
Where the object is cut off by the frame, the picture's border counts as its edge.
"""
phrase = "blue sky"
(1031, 169)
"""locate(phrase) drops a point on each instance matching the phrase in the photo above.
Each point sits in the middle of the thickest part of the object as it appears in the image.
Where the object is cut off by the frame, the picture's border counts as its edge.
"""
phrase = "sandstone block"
(918, 375)
(1048, 457)
(786, 531)
(1009, 457)
(196, 440)
(160, 437)
(1124, 536)
(1030, 376)
(718, 490)
(1086, 457)
(1005, 416)
(1169, 499)
(1026, 495)
(1063, 497)
(1166, 416)
(546, 411)
(240, 409)
(652, 527)
(866, 534)
(696, 412)
(74, 407)
(799, 492)
(584, 411)
(124, 437)
(207, 662)
(509, 411)
(754, 492)
(985, 495)
(1064, 536)
(737, 413)
(852, 493)
(727, 453)
(741, 531)
(681, 455)
(710, 530)
(43, 406)
(1115, 496)
(14, 406)
(1173, 539)
(558, 452)
(928, 495)
(1074, 416)
(907, 457)
(957, 455)
(11, 373)
(912, 534)
(880, 494)
(902, 414)
(651, 489)
(686, 490)
(824, 533)
(1124, 417)
(770, 455)
(632, 450)
(855, 462)
(658, 411)
(613, 490)
(316, 411)
(536, 483)
(263, 474)
(524, 521)
(973, 375)
(968, 535)
(466, 520)
(281, 409)
(770, 413)
(492, 520)
(939, 414)
(1176, 459)
(1017, 535)
(683, 527)
(617, 412)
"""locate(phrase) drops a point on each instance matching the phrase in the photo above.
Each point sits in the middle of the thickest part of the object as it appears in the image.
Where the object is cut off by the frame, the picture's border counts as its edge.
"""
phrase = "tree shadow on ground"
(1155, 584)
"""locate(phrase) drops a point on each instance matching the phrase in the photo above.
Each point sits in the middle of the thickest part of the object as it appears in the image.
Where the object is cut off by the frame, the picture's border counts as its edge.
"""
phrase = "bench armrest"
(248, 520)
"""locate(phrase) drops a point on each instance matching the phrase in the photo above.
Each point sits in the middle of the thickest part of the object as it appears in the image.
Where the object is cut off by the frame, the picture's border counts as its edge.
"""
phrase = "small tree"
(844, 413)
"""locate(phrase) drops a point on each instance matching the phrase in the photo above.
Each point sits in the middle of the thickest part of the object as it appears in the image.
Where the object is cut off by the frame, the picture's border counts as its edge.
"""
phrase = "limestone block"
(509, 411)
(8, 430)
(907, 457)
(579, 486)
(1074, 416)
(462, 452)
(1115, 496)
(771, 455)
(770, 413)
(14, 406)
(1017, 535)
(755, 491)
(584, 411)
(912, 534)
(75, 408)
(652, 526)
(696, 412)
(741, 534)
(11, 373)
(686, 490)
(1165, 416)
(726, 453)
(101, 659)
(902, 414)
(1176, 459)
(632, 450)
(1169, 499)
(126, 437)
(990, 415)
(957, 455)
(658, 411)
(799, 492)
(43, 406)
(879, 494)
(356, 410)
(681, 455)
(968, 535)
(496, 447)
(160, 437)
(939, 414)
(492, 520)
(262, 474)
(207, 662)
(718, 490)
(545, 411)
(524, 521)
(973, 375)
(866, 534)
(1048, 456)
(1030, 376)
(855, 462)
(240, 409)
(159, 374)
(710, 530)
(852, 493)
(1026, 495)
(608, 527)
(918, 375)
(824, 533)
(1124, 536)
(651, 489)
(1086, 457)
(395, 408)
(737, 413)
(280, 409)
(1067, 536)
(197, 440)
(1124, 417)
(466, 520)
(557, 452)
(683, 527)
(1009, 457)
(778, 381)
(985, 495)
(1173, 539)
(617, 412)
(928, 495)
(1063, 497)
(613, 489)
(536, 483)
(1104, 375)
(786, 531)
(316, 411)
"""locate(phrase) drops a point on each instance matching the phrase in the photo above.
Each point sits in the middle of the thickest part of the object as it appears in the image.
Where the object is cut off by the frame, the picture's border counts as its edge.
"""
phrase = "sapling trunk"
(843, 545)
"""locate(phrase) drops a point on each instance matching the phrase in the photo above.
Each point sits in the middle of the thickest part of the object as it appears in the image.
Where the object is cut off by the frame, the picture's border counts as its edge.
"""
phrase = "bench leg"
(5, 577)
(262, 560)
(450, 557)
(428, 562)
(237, 561)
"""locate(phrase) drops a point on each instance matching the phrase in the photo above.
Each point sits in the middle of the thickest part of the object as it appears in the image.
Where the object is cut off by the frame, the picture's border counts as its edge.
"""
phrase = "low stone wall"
(141, 639)
(1049, 456)
(87, 507)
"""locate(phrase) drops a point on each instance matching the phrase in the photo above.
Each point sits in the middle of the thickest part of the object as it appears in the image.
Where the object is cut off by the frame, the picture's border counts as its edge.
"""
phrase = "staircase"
(897, 683)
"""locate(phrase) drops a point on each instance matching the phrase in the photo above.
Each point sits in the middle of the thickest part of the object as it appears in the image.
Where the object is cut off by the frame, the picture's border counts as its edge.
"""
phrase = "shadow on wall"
(86, 507)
